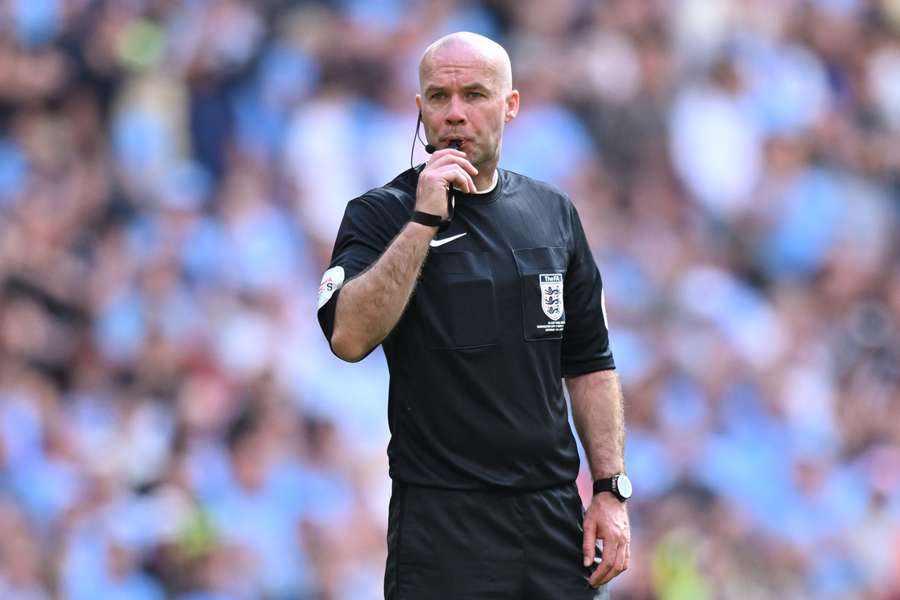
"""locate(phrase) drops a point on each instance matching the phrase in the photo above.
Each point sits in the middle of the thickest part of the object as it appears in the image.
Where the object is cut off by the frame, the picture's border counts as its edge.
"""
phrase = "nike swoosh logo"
(436, 243)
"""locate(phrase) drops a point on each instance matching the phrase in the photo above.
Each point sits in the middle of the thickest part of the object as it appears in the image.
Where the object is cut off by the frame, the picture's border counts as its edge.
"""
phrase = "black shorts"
(473, 545)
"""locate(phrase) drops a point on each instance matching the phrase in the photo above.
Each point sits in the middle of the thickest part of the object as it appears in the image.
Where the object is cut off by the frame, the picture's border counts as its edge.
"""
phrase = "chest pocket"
(542, 272)
(457, 300)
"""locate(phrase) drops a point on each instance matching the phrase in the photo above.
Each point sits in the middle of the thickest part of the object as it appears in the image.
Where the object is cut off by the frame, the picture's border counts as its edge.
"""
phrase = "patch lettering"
(332, 281)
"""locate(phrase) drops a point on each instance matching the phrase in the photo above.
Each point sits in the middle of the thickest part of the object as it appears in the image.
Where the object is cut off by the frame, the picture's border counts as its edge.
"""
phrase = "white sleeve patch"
(602, 307)
(332, 281)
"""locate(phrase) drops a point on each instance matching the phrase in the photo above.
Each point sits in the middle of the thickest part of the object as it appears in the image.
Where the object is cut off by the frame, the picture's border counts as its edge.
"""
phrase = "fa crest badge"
(552, 295)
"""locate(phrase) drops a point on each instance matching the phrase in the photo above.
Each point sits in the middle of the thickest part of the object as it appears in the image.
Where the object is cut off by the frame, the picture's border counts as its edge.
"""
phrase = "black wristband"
(424, 218)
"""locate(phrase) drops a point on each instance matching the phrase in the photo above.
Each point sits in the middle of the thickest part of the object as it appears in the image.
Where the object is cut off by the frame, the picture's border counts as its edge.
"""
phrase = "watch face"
(624, 486)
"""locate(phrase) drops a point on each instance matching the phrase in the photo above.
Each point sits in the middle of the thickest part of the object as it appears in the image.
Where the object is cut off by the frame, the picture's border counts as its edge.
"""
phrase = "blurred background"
(172, 176)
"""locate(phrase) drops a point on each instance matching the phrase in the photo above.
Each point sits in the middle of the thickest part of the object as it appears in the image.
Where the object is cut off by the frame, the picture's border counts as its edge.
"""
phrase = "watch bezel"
(623, 492)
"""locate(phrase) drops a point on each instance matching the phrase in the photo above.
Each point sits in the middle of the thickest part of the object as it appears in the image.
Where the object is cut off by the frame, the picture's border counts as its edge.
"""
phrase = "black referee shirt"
(509, 301)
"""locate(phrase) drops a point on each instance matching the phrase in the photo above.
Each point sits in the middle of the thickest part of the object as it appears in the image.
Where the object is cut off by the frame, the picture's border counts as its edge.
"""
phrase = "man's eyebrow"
(431, 88)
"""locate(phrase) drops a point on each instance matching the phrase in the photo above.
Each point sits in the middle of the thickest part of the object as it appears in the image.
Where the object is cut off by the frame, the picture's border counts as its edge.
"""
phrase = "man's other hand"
(606, 519)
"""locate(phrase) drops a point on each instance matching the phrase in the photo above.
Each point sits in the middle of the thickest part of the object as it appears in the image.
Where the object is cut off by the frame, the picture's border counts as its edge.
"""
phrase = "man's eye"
(438, 96)
(476, 95)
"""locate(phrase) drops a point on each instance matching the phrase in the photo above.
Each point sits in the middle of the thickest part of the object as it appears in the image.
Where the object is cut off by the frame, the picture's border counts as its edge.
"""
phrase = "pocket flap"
(547, 259)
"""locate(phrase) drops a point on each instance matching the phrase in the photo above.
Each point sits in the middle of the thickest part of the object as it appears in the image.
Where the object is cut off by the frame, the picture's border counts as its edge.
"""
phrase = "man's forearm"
(599, 415)
(370, 305)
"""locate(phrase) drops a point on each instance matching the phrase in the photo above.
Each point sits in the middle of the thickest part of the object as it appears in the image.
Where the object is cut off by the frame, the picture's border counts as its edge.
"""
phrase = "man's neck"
(486, 178)
(480, 188)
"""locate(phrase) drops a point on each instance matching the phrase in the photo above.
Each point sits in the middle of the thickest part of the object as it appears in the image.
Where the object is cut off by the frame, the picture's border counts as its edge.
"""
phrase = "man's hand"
(447, 167)
(606, 519)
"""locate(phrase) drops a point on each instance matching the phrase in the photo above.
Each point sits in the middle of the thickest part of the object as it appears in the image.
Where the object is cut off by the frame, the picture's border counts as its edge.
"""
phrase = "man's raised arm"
(370, 305)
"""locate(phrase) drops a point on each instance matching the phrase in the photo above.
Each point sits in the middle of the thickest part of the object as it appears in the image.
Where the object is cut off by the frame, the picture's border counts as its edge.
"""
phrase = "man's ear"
(512, 106)
(419, 102)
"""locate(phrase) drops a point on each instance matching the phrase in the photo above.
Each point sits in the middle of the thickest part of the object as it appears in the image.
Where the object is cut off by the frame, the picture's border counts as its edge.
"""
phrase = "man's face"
(464, 98)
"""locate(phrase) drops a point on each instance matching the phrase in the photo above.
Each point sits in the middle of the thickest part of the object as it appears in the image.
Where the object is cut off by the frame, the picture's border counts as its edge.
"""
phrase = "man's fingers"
(457, 176)
(439, 154)
(462, 160)
(469, 166)
(589, 542)
(621, 559)
(606, 570)
(454, 168)
(470, 183)
(456, 157)
(616, 555)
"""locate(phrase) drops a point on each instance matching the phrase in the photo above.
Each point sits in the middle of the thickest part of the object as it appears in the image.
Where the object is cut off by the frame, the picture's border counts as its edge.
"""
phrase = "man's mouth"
(455, 142)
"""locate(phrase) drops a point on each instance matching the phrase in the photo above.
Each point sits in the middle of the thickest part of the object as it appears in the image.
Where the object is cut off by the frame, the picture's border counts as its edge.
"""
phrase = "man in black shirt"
(480, 320)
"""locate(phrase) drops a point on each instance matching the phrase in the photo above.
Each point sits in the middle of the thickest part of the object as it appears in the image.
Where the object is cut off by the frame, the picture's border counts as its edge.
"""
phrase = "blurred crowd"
(172, 175)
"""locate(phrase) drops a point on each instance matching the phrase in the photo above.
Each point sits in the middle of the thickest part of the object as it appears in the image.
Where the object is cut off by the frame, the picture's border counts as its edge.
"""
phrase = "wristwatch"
(619, 485)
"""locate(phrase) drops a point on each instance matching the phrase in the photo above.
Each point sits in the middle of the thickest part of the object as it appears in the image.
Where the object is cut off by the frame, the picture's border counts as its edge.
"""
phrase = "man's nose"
(456, 113)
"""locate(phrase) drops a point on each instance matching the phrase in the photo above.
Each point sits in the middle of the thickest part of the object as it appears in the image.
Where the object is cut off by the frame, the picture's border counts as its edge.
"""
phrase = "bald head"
(465, 46)
(466, 98)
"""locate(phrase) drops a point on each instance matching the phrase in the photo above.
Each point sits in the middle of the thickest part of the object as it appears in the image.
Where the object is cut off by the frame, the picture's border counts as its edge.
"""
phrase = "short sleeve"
(368, 227)
(585, 345)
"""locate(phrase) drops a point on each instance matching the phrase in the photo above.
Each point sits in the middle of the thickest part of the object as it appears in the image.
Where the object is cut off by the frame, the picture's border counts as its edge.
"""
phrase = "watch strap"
(610, 484)
(604, 485)
(427, 219)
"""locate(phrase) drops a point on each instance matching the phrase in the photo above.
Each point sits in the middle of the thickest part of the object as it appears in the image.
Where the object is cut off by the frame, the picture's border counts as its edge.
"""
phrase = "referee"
(483, 306)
